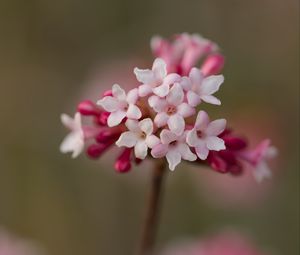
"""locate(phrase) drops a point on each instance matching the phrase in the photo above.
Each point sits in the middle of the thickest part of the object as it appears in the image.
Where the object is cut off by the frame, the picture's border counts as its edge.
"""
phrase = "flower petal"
(161, 119)
(196, 76)
(185, 110)
(211, 84)
(146, 125)
(162, 90)
(118, 92)
(152, 141)
(133, 112)
(115, 118)
(186, 83)
(192, 139)
(141, 149)
(132, 125)
(144, 90)
(175, 96)
(166, 136)
(211, 100)
(144, 76)
(176, 124)
(159, 151)
(67, 121)
(262, 171)
(159, 68)
(158, 104)
(216, 127)
(186, 153)
(172, 78)
(109, 104)
(192, 98)
(127, 139)
(202, 121)
(202, 151)
(73, 142)
(132, 96)
(173, 158)
(215, 143)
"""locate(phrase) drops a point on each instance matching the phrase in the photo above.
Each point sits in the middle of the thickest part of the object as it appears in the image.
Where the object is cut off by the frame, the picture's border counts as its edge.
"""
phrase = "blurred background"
(54, 54)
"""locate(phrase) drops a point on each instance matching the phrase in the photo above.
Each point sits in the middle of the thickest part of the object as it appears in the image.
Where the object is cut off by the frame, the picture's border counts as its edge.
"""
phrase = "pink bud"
(107, 93)
(123, 164)
(102, 118)
(213, 64)
(87, 108)
(96, 150)
(106, 136)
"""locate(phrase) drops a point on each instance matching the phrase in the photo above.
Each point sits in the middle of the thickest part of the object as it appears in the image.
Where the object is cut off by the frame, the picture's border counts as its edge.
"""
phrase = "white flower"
(204, 135)
(199, 88)
(139, 136)
(155, 80)
(74, 141)
(174, 148)
(171, 110)
(120, 105)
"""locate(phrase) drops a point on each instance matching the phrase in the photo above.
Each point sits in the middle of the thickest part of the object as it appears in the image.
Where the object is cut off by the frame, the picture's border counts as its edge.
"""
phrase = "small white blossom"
(174, 148)
(200, 88)
(120, 105)
(74, 141)
(204, 135)
(139, 136)
(155, 80)
(171, 110)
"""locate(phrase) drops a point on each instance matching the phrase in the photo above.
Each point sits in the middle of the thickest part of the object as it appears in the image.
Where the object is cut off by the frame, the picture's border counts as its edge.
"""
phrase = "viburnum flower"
(139, 136)
(200, 88)
(120, 106)
(74, 142)
(155, 80)
(174, 148)
(160, 115)
(172, 110)
(204, 135)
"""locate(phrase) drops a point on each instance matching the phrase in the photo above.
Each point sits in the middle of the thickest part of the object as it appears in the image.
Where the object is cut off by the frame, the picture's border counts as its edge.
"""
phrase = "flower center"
(143, 135)
(200, 134)
(171, 110)
(174, 143)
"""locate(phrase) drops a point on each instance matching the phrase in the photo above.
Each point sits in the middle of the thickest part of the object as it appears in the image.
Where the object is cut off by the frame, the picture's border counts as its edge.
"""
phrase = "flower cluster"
(160, 117)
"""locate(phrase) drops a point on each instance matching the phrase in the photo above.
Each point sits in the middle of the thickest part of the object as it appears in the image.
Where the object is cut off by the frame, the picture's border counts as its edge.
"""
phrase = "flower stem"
(152, 211)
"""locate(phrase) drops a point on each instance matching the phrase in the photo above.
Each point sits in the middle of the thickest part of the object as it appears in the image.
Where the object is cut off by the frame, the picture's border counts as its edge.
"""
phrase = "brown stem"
(152, 211)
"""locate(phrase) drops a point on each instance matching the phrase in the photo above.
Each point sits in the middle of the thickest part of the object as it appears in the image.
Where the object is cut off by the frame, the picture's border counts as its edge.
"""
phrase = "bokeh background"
(55, 53)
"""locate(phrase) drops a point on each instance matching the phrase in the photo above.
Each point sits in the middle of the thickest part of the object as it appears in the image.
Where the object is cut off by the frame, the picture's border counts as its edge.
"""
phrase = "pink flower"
(183, 53)
(139, 136)
(74, 141)
(174, 148)
(258, 158)
(200, 88)
(155, 80)
(204, 136)
(172, 110)
(120, 105)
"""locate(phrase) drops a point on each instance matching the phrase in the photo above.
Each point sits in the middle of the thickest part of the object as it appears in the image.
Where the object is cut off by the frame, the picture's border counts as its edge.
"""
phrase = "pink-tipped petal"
(109, 104)
(115, 118)
(127, 139)
(185, 110)
(193, 98)
(166, 136)
(134, 112)
(216, 127)
(202, 120)
(196, 76)
(152, 141)
(176, 95)
(162, 90)
(176, 124)
(159, 151)
(146, 125)
(215, 143)
(161, 119)
(192, 138)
